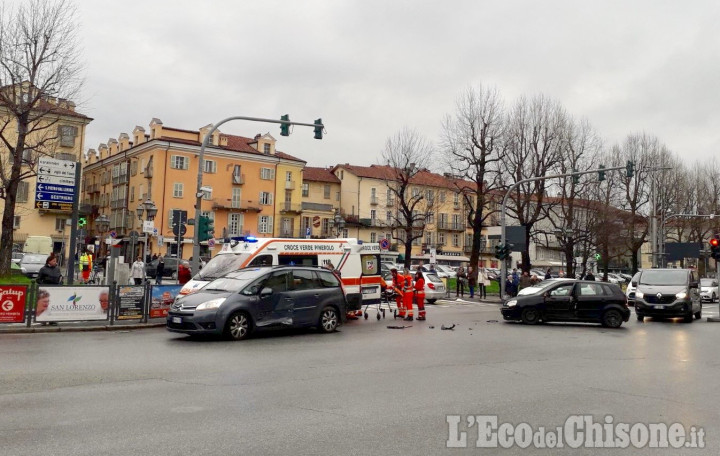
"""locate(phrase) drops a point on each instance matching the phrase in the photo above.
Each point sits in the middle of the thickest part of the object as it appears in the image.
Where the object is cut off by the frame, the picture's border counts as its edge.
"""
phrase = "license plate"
(369, 290)
(658, 307)
(177, 319)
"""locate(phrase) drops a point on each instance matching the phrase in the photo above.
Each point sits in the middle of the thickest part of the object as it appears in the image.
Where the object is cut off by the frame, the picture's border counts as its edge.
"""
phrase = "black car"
(569, 300)
(169, 270)
(255, 298)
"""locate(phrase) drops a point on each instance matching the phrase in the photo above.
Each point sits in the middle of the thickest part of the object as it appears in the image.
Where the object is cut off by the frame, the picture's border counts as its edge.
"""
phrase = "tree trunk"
(8, 218)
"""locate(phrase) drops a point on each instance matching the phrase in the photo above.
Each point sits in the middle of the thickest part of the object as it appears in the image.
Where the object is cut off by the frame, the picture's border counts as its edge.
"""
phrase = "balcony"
(390, 202)
(235, 206)
(289, 185)
(456, 205)
(457, 227)
(443, 225)
(238, 179)
(238, 232)
(373, 200)
(290, 207)
(121, 179)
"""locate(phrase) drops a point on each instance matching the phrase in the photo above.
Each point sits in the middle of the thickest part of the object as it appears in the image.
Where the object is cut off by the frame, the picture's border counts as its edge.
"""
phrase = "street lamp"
(151, 210)
(338, 222)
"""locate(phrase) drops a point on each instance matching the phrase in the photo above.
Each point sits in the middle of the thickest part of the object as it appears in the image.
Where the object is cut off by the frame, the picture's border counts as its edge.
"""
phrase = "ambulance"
(357, 263)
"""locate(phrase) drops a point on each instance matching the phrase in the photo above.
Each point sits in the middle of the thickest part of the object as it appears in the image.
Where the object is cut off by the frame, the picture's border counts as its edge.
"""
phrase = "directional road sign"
(55, 188)
(47, 179)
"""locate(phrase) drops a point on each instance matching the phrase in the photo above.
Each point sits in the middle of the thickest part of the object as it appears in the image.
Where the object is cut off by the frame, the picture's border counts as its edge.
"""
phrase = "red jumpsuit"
(420, 297)
(398, 281)
(408, 296)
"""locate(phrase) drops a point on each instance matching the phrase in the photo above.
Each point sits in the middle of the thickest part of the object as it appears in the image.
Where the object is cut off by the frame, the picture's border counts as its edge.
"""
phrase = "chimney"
(138, 135)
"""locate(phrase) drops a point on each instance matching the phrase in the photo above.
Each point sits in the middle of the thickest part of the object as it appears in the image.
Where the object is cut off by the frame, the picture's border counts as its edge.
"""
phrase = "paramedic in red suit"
(420, 294)
(398, 282)
(408, 295)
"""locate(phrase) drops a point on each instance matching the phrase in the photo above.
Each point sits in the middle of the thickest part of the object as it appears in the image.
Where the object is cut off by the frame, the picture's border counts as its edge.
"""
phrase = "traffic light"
(630, 167)
(499, 252)
(597, 257)
(318, 129)
(715, 248)
(601, 173)
(284, 127)
(203, 228)
(82, 222)
(576, 177)
(210, 228)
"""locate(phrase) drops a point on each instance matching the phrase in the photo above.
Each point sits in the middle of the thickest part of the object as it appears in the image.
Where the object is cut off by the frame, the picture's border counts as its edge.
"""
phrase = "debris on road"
(399, 327)
(446, 328)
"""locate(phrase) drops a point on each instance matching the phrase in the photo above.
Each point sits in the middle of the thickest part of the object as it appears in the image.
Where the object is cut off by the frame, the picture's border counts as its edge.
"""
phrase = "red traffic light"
(714, 242)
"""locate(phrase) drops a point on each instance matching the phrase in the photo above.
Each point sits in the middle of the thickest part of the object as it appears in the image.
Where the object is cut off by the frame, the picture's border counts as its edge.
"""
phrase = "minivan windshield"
(664, 277)
(706, 282)
(220, 265)
(230, 284)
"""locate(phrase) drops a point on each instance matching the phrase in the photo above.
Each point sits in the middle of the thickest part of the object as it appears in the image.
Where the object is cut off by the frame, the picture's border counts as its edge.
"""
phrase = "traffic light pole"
(199, 193)
(503, 210)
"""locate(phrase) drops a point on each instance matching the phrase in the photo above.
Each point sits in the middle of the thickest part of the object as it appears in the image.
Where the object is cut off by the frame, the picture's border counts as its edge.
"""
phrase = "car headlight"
(210, 305)
(639, 294)
(681, 295)
(511, 303)
(23, 270)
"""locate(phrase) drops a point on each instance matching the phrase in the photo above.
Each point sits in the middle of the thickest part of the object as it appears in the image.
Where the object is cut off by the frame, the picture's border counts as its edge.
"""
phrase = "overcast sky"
(369, 68)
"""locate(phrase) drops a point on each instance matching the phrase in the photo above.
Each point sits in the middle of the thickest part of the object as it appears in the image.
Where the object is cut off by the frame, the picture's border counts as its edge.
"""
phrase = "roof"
(320, 175)
(423, 177)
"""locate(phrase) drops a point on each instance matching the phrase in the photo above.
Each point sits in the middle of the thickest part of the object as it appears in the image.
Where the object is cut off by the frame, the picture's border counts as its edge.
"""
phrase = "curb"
(53, 329)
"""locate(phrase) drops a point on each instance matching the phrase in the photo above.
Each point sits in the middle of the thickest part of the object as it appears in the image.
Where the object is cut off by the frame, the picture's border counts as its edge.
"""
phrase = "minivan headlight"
(681, 295)
(210, 305)
(639, 294)
(511, 303)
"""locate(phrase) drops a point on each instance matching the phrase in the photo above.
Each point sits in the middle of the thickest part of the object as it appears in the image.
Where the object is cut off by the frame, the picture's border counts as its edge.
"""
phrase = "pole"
(73, 227)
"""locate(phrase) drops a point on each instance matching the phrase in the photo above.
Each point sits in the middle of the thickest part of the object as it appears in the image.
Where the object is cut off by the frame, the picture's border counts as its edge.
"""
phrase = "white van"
(38, 244)
(358, 263)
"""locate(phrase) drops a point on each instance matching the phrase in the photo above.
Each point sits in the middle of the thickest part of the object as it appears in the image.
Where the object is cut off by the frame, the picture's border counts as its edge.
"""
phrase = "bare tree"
(406, 156)
(531, 149)
(39, 63)
(471, 138)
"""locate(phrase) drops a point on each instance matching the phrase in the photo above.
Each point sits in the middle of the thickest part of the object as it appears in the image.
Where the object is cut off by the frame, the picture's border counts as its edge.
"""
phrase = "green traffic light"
(285, 128)
(319, 129)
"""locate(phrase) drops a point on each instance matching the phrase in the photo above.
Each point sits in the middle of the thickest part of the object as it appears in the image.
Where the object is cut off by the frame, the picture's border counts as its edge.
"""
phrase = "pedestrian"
(432, 269)
(524, 280)
(408, 293)
(184, 274)
(154, 257)
(590, 276)
(460, 282)
(85, 265)
(50, 273)
(510, 286)
(483, 283)
(547, 275)
(159, 271)
(137, 271)
(534, 280)
(420, 295)
(472, 280)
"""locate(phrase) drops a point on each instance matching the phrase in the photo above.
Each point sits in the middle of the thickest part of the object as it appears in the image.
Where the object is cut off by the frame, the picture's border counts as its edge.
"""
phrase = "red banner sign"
(12, 303)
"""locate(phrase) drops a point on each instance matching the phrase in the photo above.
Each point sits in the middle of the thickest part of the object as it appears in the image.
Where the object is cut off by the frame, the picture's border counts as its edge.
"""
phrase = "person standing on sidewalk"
(159, 271)
(460, 282)
(483, 283)
(137, 271)
(472, 280)
(50, 273)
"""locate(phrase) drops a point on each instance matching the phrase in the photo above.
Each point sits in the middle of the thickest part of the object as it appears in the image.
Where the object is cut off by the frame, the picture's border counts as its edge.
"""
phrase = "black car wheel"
(688, 318)
(431, 301)
(530, 316)
(328, 320)
(698, 314)
(238, 326)
(612, 319)
(640, 317)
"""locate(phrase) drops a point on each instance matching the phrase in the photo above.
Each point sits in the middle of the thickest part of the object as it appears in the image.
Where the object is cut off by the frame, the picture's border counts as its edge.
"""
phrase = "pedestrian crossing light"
(318, 128)
(715, 248)
(499, 252)
(82, 222)
(630, 167)
(601, 174)
(597, 257)
(285, 127)
(203, 228)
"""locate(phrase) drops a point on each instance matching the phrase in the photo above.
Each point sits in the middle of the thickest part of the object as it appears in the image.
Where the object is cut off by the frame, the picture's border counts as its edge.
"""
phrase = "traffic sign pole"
(73, 229)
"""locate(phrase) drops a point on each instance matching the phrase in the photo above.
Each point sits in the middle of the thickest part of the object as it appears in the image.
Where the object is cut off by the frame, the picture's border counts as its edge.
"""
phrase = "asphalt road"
(366, 389)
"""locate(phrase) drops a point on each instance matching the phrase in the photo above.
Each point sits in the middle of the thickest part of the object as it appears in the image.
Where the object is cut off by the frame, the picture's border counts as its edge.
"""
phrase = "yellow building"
(60, 134)
(239, 185)
(320, 200)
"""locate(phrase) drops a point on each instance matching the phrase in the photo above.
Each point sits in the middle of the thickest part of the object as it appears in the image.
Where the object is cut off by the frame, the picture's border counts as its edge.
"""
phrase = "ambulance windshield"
(220, 265)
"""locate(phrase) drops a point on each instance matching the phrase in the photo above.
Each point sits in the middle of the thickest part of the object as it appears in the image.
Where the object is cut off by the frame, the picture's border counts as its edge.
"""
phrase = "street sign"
(384, 244)
(148, 226)
(47, 179)
(58, 168)
(113, 234)
(134, 236)
(183, 230)
(211, 242)
(55, 187)
(154, 232)
(53, 205)
(58, 197)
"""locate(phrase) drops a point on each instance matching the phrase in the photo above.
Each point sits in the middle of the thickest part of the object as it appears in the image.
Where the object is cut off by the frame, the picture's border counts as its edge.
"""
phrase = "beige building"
(320, 201)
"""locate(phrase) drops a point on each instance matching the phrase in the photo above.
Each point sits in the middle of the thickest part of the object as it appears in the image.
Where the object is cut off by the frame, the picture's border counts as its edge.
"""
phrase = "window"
(265, 224)
(441, 238)
(60, 223)
(326, 226)
(429, 196)
(266, 198)
(207, 194)
(456, 199)
(415, 192)
(210, 166)
(456, 240)
(428, 238)
(132, 193)
(67, 135)
(337, 196)
(278, 282)
(267, 173)
(305, 280)
(266, 149)
(591, 289)
(236, 197)
(563, 290)
(133, 168)
(305, 190)
(16, 222)
(178, 190)
(179, 162)
(430, 217)
(288, 176)
(22, 192)
(441, 196)
(142, 165)
(373, 214)
(326, 191)
(235, 224)
(388, 217)
(28, 156)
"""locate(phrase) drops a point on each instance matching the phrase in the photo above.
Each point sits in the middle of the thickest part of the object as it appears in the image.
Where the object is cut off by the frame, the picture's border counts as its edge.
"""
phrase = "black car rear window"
(328, 279)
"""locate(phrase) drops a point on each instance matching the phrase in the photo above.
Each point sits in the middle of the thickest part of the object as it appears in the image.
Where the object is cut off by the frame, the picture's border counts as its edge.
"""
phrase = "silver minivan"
(666, 293)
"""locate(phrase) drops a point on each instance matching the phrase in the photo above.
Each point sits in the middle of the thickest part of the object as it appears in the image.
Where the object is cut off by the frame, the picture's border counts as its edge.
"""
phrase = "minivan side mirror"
(634, 284)
(265, 292)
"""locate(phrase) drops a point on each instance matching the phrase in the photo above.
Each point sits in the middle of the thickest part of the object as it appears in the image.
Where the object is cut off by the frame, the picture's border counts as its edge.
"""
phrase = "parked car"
(434, 287)
(709, 290)
(31, 263)
(16, 257)
(630, 290)
(170, 269)
(668, 293)
(618, 278)
(570, 300)
(445, 272)
(251, 299)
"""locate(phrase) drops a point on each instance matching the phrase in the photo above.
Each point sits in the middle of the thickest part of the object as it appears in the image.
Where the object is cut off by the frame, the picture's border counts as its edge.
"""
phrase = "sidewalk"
(490, 299)
(81, 326)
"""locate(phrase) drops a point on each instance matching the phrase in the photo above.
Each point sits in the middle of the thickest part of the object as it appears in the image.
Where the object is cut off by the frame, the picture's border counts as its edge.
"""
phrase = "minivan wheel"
(328, 320)
(688, 318)
(714, 298)
(698, 314)
(612, 319)
(238, 326)
(530, 316)
(640, 317)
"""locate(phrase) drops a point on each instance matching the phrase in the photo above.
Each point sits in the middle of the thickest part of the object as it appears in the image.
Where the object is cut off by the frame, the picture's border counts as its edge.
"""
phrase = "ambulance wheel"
(378, 316)
(395, 314)
(365, 315)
